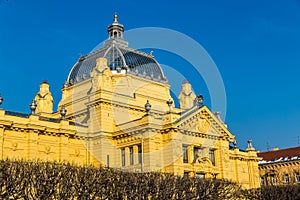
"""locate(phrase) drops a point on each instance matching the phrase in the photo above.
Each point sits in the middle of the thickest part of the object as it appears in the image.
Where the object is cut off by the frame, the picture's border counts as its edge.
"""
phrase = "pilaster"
(32, 145)
(2, 129)
(127, 156)
(64, 149)
(136, 154)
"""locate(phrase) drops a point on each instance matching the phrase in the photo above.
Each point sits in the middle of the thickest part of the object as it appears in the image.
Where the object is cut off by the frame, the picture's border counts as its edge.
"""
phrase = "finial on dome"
(116, 17)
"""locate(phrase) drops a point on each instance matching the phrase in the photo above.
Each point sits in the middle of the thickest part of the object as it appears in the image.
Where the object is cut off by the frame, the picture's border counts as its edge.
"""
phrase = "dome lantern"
(115, 30)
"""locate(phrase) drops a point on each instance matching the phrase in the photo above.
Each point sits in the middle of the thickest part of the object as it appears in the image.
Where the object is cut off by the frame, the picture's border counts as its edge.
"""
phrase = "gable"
(203, 121)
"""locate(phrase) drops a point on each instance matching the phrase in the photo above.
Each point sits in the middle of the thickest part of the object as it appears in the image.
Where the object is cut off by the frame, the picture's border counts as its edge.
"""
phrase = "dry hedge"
(48, 180)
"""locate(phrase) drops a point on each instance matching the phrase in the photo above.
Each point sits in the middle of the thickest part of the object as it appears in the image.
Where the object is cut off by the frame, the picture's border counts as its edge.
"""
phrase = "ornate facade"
(116, 110)
(280, 167)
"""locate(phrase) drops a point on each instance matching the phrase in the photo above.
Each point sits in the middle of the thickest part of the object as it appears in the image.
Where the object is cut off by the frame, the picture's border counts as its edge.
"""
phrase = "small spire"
(151, 53)
(115, 18)
(81, 57)
(66, 84)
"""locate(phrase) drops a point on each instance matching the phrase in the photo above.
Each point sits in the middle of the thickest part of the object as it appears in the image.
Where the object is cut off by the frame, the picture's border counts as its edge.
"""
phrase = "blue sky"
(254, 43)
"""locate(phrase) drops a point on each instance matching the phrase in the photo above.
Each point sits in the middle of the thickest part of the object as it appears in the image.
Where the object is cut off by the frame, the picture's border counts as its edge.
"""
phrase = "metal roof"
(119, 57)
(133, 61)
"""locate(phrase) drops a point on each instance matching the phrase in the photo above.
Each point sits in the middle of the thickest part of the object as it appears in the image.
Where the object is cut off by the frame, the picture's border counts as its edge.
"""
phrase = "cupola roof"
(119, 57)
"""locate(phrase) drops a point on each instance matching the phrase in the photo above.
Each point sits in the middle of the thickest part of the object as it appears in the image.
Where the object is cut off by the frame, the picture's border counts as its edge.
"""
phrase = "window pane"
(262, 181)
(131, 155)
(123, 156)
(273, 181)
(286, 178)
(212, 156)
(185, 154)
(140, 153)
(297, 176)
(186, 174)
(200, 175)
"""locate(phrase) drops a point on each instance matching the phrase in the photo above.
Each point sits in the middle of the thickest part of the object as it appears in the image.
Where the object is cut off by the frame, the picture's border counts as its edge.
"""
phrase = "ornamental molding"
(202, 121)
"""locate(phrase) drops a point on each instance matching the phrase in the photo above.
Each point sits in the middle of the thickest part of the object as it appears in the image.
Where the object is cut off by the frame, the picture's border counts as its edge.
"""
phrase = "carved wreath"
(203, 125)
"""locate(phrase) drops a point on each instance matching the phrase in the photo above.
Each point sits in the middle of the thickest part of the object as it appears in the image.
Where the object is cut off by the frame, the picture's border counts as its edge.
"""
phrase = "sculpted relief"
(200, 124)
(203, 125)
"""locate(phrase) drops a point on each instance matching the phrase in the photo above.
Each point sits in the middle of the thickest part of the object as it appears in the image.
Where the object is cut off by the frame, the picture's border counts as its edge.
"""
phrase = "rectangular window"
(212, 156)
(200, 175)
(286, 178)
(140, 153)
(186, 174)
(185, 154)
(197, 153)
(123, 156)
(297, 176)
(131, 156)
(262, 181)
(273, 181)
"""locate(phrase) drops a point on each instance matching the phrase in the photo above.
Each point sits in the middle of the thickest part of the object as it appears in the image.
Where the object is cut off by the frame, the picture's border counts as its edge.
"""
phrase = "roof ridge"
(280, 150)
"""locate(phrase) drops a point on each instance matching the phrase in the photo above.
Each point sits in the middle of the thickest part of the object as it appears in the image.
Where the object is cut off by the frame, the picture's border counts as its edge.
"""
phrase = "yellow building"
(116, 110)
(280, 167)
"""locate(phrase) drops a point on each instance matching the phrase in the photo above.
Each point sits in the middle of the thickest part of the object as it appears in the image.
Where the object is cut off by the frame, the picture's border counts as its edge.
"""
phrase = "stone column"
(127, 156)
(191, 153)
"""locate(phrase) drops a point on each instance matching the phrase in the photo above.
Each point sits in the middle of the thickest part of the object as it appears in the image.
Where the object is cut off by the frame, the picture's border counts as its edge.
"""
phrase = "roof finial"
(116, 18)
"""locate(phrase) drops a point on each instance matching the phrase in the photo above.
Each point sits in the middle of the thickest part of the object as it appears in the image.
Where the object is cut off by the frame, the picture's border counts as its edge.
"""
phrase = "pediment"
(203, 121)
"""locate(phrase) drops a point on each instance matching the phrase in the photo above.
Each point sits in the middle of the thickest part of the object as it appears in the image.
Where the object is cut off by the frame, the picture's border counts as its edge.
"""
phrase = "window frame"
(185, 156)
(212, 156)
(123, 157)
(140, 154)
(286, 178)
(200, 150)
(131, 156)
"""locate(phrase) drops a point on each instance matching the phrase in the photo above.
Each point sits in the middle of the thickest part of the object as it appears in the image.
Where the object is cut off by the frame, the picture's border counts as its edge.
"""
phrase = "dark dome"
(118, 57)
